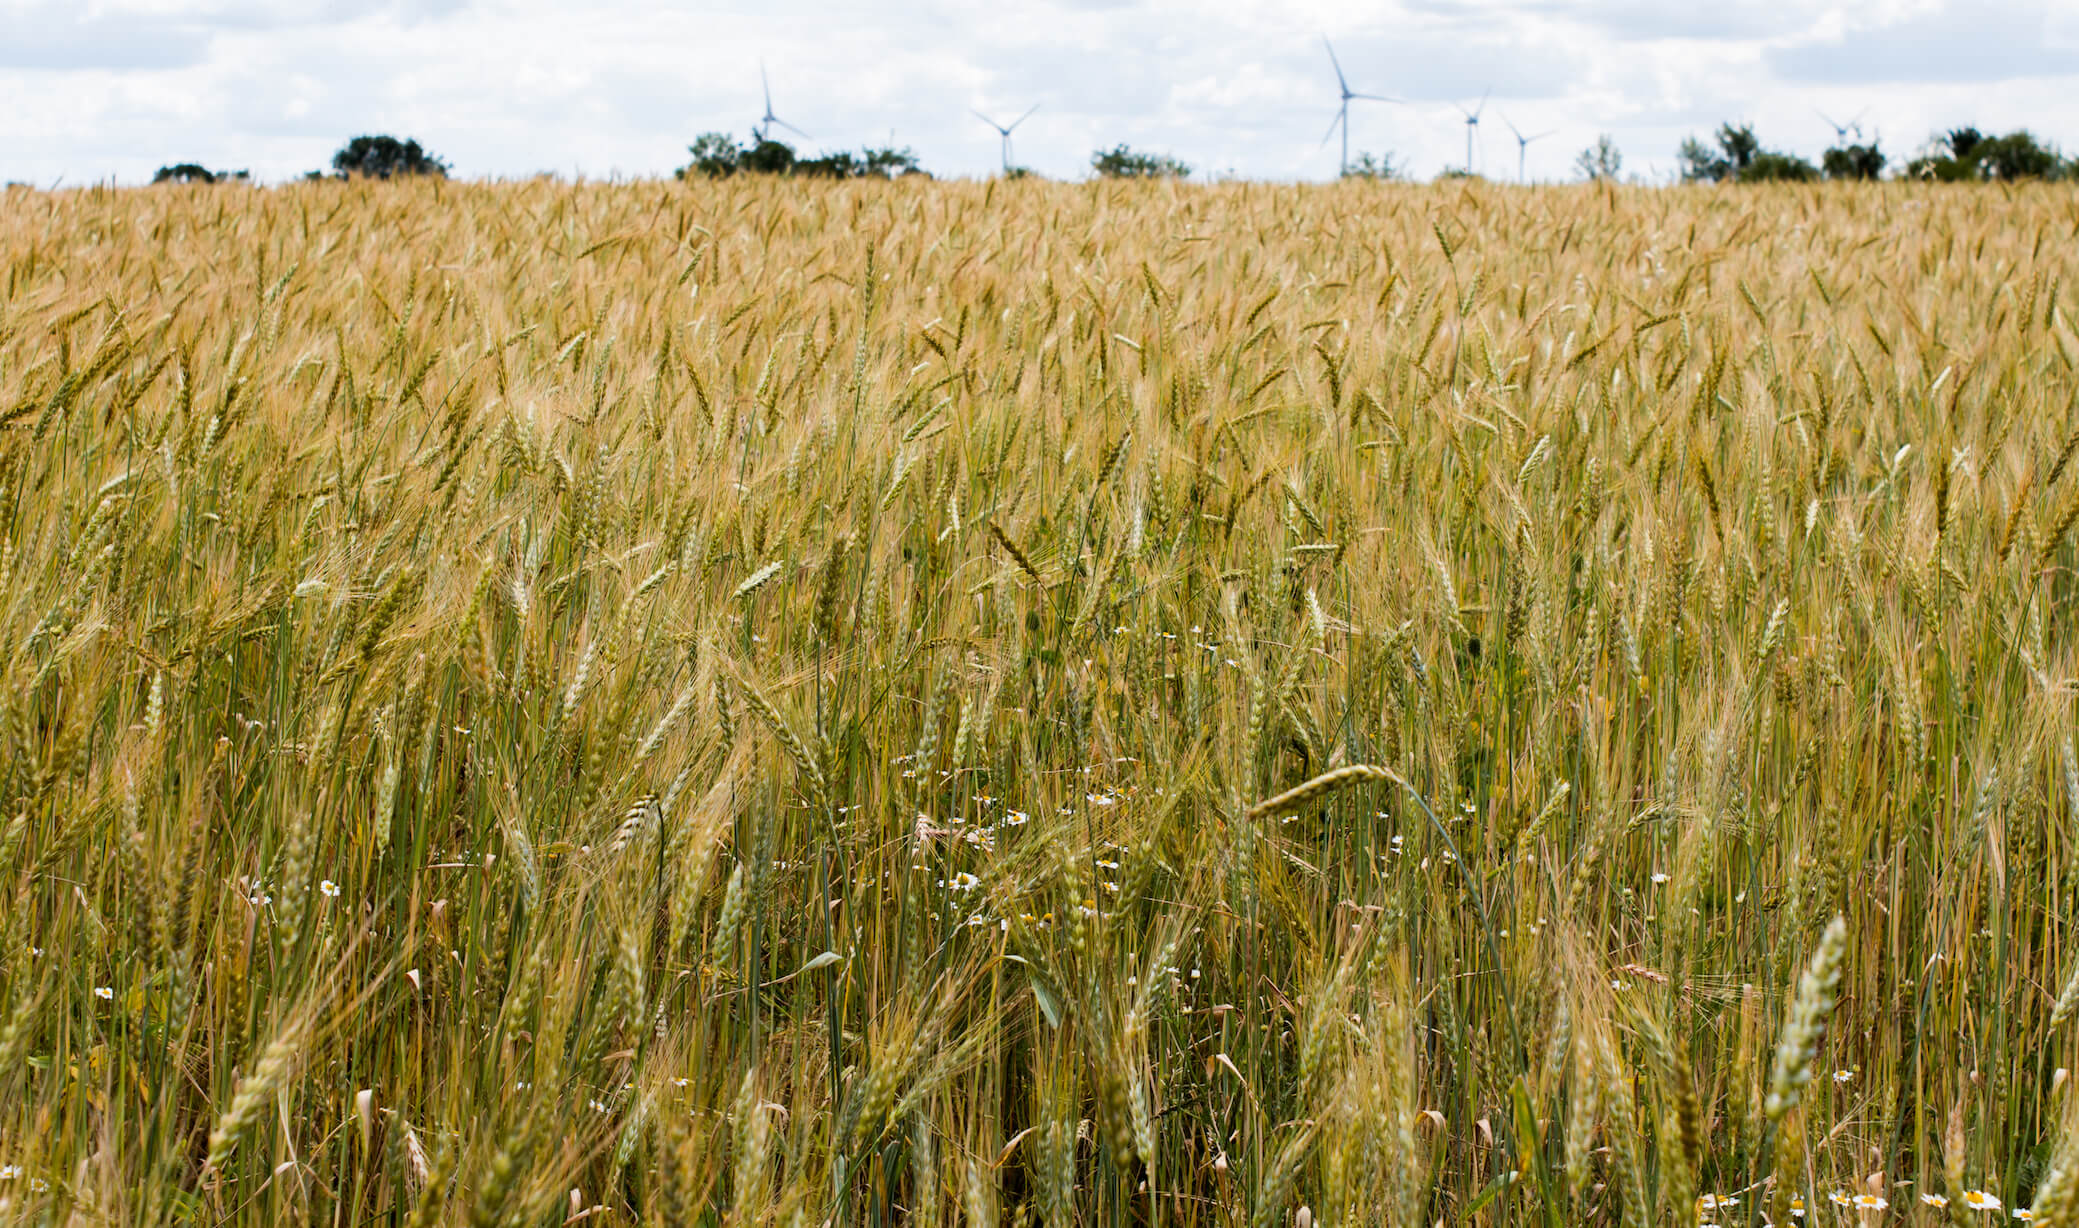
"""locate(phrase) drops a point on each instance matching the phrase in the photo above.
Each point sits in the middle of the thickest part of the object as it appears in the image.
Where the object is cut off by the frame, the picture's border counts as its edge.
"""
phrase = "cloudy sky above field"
(100, 89)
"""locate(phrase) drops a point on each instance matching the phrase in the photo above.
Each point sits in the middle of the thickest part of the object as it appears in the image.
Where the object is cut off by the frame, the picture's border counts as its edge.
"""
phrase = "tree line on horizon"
(1734, 154)
(1959, 155)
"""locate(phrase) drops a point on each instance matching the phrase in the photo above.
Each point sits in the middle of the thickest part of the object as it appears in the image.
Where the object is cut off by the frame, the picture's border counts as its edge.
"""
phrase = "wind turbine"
(1342, 115)
(1472, 121)
(1006, 131)
(1523, 143)
(1841, 131)
(765, 122)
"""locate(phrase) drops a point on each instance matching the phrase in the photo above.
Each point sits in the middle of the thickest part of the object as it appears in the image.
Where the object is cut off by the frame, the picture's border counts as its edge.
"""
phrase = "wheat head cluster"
(1037, 704)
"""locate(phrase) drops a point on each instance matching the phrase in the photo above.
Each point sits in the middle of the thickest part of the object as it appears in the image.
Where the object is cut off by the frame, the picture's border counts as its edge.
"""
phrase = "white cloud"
(91, 89)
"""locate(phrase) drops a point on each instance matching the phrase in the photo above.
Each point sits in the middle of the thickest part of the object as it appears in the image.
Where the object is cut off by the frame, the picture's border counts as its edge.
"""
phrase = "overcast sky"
(111, 89)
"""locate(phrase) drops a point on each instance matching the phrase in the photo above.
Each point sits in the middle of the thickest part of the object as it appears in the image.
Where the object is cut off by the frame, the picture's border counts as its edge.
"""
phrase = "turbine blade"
(1483, 103)
(1339, 80)
(1375, 98)
(791, 128)
(767, 83)
(1512, 127)
(1022, 118)
(1341, 117)
(992, 123)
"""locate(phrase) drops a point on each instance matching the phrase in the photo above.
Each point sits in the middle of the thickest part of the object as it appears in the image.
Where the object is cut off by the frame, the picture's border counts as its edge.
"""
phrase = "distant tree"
(1775, 166)
(1967, 155)
(768, 157)
(716, 155)
(2017, 155)
(1601, 160)
(1853, 161)
(1381, 167)
(382, 157)
(1120, 162)
(1740, 158)
(1700, 163)
(869, 163)
(889, 162)
(844, 164)
(184, 172)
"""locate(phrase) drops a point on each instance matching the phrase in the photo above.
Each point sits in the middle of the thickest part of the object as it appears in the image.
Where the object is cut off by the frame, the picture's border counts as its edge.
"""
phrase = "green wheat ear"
(1805, 1025)
(1300, 797)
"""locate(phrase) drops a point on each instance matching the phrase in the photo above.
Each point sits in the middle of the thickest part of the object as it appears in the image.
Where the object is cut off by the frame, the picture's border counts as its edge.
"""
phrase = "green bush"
(1121, 162)
(716, 155)
(1967, 155)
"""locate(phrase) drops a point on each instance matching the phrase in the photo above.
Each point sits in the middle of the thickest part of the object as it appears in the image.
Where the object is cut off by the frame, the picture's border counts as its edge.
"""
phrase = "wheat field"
(1041, 704)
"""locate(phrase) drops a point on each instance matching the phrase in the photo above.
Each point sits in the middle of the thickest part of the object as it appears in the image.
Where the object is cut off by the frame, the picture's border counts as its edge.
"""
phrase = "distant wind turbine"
(1841, 131)
(1523, 143)
(1005, 130)
(1342, 115)
(1472, 121)
(767, 120)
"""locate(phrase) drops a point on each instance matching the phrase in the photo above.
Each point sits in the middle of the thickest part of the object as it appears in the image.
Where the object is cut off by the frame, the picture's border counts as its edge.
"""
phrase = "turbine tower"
(1523, 143)
(1472, 121)
(1342, 115)
(765, 122)
(1841, 131)
(1005, 131)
